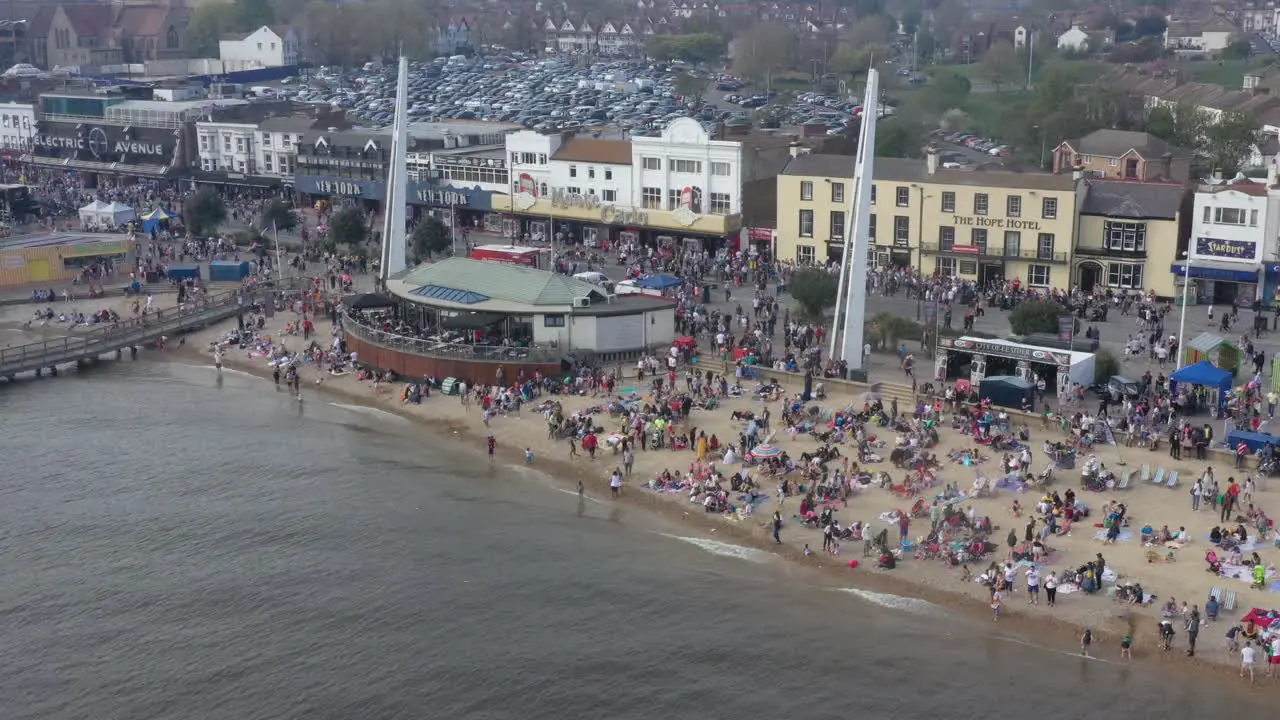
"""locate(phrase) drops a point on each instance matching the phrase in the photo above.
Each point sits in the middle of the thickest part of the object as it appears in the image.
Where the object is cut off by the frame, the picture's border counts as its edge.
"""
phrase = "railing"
(1104, 252)
(457, 351)
(1006, 253)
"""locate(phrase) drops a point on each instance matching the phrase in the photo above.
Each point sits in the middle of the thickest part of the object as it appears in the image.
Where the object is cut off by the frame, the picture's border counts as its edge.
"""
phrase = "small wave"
(725, 549)
(893, 602)
(366, 410)
(231, 371)
(588, 498)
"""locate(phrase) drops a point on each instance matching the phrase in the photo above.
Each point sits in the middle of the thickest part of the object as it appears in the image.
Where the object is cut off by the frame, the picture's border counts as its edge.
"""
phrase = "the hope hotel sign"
(1233, 249)
(1002, 223)
(96, 143)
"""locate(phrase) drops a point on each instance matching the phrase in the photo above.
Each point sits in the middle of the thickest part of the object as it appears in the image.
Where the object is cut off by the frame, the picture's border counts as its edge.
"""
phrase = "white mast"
(393, 219)
(855, 299)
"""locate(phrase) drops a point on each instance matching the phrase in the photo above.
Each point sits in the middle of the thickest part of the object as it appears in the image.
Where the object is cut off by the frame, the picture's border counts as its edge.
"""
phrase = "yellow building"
(984, 225)
(1129, 234)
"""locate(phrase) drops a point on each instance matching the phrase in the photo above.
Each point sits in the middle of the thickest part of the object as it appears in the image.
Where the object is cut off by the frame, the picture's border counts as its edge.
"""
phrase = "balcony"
(1104, 252)
(971, 251)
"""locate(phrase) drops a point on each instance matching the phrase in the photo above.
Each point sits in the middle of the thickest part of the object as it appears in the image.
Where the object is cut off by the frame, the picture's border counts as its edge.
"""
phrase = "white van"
(597, 278)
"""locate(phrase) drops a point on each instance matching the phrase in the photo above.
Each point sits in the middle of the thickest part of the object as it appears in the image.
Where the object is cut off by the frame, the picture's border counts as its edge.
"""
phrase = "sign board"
(376, 190)
(1230, 249)
(1066, 328)
(1016, 352)
(106, 143)
(983, 221)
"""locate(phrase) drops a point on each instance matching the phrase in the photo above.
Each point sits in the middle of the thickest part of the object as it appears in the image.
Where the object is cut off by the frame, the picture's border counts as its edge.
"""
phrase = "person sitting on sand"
(1215, 535)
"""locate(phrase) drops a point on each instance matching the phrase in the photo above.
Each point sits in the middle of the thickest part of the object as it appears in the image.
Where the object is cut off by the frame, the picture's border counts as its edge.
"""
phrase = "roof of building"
(89, 20)
(595, 150)
(493, 286)
(1129, 199)
(903, 170)
(816, 165)
(142, 21)
(1115, 143)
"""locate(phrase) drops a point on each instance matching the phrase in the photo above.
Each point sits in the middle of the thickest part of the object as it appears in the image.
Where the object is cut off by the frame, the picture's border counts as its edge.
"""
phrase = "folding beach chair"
(1173, 480)
(1229, 601)
(1158, 478)
(1216, 594)
(1145, 475)
(1126, 479)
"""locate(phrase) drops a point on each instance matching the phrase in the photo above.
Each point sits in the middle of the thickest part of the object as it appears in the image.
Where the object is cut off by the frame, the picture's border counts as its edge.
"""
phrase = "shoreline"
(1055, 630)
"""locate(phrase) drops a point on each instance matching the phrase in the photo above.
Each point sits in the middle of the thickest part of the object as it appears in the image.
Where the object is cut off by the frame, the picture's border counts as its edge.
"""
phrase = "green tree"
(873, 30)
(690, 86)
(911, 19)
(429, 238)
(1160, 123)
(895, 139)
(814, 290)
(347, 227)
(1000, 65)
(1189, 126)
(948, 90)
(253, 14)
(764, 49)
(954, 120)
(278, 215)
(203, 212)
(691, 47)
(1236, 50)
(209, 22)
(1229, 141)
(886, 329)
(1036, 316)
(1105, 364)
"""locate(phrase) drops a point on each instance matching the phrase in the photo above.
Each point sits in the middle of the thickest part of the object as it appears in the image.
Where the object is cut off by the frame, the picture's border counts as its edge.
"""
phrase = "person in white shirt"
(1033, 585)
(1248, 656)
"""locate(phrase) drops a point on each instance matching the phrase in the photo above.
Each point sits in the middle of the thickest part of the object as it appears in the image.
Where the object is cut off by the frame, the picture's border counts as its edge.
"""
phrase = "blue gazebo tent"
(658, 282)
(1204, 374)
(151, 221)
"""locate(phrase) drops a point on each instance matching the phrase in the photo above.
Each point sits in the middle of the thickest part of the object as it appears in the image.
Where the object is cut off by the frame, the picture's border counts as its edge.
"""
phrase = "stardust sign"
(96, 143)
(1230, 249)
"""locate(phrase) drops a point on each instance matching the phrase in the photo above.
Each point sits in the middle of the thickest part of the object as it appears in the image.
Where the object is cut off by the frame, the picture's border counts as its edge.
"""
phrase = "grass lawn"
(1228, 73)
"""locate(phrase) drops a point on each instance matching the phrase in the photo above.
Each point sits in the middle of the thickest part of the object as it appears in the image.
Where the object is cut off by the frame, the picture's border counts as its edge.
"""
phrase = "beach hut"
(1214, 348)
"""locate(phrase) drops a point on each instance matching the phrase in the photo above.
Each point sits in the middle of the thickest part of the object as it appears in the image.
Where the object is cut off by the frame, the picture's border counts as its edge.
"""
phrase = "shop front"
(467, 207)
(586, 219)
(100, 153)
(1222, 272)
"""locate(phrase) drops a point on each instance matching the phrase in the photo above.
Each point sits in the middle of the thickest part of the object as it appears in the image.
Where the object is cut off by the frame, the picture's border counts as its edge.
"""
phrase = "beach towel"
(1124, 535)
(1242, 572)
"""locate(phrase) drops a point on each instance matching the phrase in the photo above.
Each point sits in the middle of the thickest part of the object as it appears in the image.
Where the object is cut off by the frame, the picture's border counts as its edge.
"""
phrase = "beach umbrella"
(765, 450)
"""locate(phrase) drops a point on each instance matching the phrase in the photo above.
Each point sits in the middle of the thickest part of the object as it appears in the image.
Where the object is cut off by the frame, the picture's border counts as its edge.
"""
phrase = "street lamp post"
(1186, 292)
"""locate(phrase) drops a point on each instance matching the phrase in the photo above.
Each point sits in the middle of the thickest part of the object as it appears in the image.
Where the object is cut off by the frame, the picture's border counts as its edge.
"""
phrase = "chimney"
(1166, 166)
(1077, 173)
(931, 159)
(796, 149)
(1217, 177)
(1273, 173)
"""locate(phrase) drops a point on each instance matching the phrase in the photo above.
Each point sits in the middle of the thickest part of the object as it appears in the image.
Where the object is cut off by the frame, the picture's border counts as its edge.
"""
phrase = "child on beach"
(996, 599)
(528, 456)
(1126, 647)
(1086, 639)
(491, 443)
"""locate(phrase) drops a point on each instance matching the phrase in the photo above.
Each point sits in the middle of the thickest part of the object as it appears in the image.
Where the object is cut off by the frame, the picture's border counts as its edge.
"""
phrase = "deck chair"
(1126, 479)
(1158, 477)
(1216, 594)
(1144, 475)
(1173, 480)
(1228, 601)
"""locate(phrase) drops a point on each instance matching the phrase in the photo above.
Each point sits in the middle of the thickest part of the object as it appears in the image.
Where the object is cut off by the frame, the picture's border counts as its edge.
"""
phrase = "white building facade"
(229, 147)
(17, 126)
(684, 160)
(1233, 233)
(263, 47)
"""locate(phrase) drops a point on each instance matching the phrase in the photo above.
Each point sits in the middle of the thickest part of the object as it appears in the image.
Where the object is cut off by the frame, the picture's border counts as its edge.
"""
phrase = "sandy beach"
(1179, 574)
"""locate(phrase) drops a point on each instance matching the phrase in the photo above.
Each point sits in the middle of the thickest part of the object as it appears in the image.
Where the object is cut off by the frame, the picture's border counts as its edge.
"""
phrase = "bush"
(814, 291)
(203, 212)
(1036, 316)
(1105, 364)
(885, 331)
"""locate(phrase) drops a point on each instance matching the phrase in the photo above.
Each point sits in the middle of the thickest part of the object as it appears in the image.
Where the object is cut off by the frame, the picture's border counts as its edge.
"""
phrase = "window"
(980, 204)
(608, 174)
(948, 201)
(1038, 275)
(837, 225)
(1125, 237)
(574, 190)
(226, 143)
(1044, 246)
(553, 321)
(1014, 204)
(652, 163)
(720, 203)
(978, 239)
(806, 223)
(266, 139)
(1231, 216)
(685, 166)
(720, 169)
(967, 267)
(266, 162)
(873, 194)
(901, 229)
(806, 190)
(1124, 275)
(673, 199)
(573, 171)
(946, 267)
(609, 195)
(837, 192)
(1012, 243)
(239, 144)
(651, 198)
(946, 238)
(542, 158)
(806, 254)
(1049, 208)
(871, 229)
(528, 158)
(1253, 218)
(902, 196)
(204, 142)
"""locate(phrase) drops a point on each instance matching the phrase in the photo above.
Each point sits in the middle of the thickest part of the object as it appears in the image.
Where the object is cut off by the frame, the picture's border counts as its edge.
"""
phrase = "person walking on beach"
(1229, 499)
(491, 443)
(1193, 629)
(582, 491)
(1051, 589)
(1197, 491)
(628, 458)
(1248, 657)
(615, 482)
(573, 447)
(996, 599)
(1033, 585)
(1086, 639)
(777, 527)
(1126, 647)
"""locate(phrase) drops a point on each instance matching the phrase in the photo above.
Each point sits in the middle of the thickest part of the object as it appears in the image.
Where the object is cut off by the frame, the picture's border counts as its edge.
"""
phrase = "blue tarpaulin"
(658, 282)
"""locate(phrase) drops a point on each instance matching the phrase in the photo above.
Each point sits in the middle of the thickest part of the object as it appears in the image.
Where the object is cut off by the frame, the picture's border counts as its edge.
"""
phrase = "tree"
(1000, 64)
(209, 22)
(895, 140)
(347, 227)
(886, 329)
(203, 212)
(1237, 50)
(814, 290)
(1036, 316)
(1105, 364)
(765, 48)
(947, 19)
(954, 120)
(430, 237)
(253, 14)
(874, 30)
(948, 90)
(1160, 123)
(911, 19)
(278, 215)
(690, 86)
(1230, 140)
(692, 47)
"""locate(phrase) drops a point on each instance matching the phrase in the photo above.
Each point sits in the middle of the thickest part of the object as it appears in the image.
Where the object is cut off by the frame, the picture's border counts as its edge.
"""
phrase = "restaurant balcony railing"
(973, 251)
(457, 351)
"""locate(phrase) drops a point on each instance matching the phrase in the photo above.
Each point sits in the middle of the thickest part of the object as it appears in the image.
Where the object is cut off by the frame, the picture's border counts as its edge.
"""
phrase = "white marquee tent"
(110, 215)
